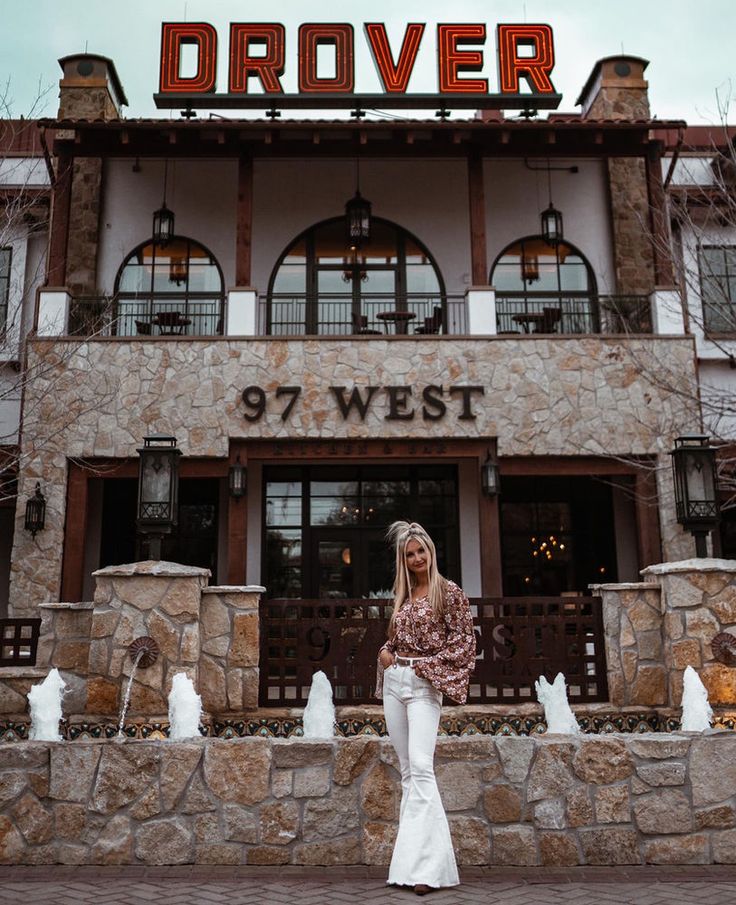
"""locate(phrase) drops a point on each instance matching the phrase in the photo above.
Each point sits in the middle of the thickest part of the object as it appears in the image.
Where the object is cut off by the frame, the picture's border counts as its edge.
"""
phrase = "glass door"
(335, 563)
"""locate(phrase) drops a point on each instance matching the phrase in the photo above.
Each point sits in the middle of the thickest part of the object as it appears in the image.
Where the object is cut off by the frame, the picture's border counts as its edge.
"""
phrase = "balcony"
(479, 312)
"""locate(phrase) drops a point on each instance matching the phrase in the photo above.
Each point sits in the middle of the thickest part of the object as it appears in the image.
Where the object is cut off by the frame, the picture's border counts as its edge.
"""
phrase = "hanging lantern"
(35, 519)
(238, 479)
(163, 226)
(694, 473)
(552, 225)
(358, 221)
(530, 268)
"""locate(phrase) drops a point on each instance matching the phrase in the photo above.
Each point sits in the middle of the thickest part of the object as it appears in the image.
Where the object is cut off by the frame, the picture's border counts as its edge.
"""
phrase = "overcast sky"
(689, 43)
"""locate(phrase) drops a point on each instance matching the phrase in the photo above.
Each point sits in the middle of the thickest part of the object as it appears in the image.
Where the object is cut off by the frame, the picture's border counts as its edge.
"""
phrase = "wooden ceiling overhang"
(561, 138)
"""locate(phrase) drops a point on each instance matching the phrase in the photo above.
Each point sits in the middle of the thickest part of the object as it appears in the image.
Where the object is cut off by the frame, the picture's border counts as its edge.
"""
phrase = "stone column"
(228, 666)
(698, 603)
(156, 599)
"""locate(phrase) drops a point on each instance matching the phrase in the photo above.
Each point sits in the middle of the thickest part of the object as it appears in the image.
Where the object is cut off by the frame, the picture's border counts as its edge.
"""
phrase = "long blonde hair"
(399, 534)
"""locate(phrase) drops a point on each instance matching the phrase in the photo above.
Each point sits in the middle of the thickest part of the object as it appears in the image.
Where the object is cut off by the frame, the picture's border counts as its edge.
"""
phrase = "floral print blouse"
(448, 644)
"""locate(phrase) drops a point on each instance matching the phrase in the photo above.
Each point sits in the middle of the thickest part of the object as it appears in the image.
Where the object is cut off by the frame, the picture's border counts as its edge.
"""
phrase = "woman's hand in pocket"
(385, 658)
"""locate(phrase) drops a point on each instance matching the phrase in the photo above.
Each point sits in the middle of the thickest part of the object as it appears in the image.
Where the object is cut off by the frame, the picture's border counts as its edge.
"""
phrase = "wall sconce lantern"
(35, 519)
(163, 218)
(158, 490)
(694, 473)
(489, 477)
(238, 479)
(358, 221)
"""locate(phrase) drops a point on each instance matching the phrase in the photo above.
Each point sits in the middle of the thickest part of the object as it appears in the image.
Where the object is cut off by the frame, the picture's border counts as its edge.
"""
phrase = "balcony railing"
(574, 314)
(104, 316)
(374, 314)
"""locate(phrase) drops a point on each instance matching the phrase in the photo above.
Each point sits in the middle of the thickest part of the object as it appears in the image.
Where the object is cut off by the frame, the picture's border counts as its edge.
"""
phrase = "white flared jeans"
(423, 851)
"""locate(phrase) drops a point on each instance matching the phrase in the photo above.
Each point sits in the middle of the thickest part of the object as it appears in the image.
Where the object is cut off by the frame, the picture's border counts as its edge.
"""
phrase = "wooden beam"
(568, 465)
(244, 221)
(646, 507)
(664, 274)
(477, 216)
(60, 210)
(75, 531)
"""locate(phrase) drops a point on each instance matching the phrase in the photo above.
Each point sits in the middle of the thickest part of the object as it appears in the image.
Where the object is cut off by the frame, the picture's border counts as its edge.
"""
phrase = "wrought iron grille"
(19, 641)
(566, 314)
(518, 639)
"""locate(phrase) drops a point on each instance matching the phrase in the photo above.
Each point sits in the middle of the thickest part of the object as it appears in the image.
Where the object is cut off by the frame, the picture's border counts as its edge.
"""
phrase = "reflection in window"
(322, 286)
(718, 288)
(5, 258)
(176, 289)
(544, 289)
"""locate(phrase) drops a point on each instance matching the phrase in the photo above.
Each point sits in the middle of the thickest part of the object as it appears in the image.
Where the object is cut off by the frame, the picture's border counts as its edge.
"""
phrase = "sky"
(692, 73)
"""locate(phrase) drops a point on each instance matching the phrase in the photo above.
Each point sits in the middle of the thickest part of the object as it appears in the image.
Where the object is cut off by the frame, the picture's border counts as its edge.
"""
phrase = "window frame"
(702, 278)
(5, 292)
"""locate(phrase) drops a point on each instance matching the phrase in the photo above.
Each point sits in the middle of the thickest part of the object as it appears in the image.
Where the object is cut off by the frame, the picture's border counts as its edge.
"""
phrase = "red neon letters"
(394, 76)
(267, 67)
(453, 60)
(173, 36)
(536, 68)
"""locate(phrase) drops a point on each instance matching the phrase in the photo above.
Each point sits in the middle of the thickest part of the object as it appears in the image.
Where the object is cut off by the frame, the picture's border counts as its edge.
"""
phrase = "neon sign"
(257, 50)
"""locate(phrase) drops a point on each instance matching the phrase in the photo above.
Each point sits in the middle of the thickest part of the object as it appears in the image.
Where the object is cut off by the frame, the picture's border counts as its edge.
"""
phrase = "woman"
(430, 652)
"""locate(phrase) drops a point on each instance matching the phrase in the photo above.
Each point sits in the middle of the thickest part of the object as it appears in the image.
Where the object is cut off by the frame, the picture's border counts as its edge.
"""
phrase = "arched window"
(541, 288)
(176, 289)
(320, 285)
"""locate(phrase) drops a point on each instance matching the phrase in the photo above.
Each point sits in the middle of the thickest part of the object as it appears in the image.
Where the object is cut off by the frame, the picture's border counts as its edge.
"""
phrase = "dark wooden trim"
(477, 216)
(237, 528)
(491, 571)
(664, 274)
(646, 508)
(60, 213)
(75, 530)
(244, 221)
(380, 450)
(569, 465)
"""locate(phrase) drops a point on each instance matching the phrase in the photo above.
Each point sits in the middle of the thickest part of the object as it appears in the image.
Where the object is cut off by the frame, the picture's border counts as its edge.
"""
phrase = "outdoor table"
(400, 320)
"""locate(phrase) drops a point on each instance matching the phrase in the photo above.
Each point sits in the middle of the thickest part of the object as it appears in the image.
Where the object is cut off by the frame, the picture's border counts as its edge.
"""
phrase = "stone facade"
(557, 800)
(655, 629)
(557, 396)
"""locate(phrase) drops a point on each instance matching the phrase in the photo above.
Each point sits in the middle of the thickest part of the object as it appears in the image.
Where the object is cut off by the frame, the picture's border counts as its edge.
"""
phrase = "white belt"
(408, 661)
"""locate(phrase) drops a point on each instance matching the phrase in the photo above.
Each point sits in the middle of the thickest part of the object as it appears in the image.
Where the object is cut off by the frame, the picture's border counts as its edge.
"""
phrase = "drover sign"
(257, 51)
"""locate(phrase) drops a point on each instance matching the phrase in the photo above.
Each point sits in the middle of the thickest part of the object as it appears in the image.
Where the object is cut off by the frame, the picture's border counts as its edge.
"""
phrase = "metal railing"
(105, 316)
(19, 641)
(337, 315)
(567, 314)
(518, 640)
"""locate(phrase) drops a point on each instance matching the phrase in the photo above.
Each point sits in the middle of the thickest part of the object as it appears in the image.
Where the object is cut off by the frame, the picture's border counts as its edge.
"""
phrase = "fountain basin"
(615, 799)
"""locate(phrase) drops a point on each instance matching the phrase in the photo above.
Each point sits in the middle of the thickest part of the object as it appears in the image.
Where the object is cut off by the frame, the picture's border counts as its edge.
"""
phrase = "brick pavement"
(192, 885)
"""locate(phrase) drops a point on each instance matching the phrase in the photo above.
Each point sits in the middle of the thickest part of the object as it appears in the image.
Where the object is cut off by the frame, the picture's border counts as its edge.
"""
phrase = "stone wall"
(558, 396)
(661, 799)
(655, 629)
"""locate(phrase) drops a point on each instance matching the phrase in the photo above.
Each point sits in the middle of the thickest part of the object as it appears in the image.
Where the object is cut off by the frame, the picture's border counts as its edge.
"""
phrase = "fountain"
(557, 712)
(696, 711)
(143, 652)
(185, 708)
(44, 700)
(319, 714)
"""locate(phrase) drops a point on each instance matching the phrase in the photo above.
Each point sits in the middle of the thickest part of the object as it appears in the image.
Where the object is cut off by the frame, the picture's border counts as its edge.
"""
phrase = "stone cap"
(625, 586)
(691, 565)
(159, 568)
(234, 589)
(66, 606)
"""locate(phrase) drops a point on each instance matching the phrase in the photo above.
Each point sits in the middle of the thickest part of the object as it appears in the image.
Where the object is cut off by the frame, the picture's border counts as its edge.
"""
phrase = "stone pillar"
(616, 90)
(228, 665)
(632, 625)
(89, 89)
(698, 603)
(157, 599)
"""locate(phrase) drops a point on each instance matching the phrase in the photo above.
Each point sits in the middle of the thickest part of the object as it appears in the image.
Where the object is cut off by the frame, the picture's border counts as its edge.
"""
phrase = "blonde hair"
(399, 534)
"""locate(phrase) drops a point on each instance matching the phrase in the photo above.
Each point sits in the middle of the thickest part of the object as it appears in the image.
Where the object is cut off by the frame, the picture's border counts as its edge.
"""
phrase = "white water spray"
(126, 700)
(319, 714)
(44, 700)
(557, 712)
(696, 711)
(185, 708)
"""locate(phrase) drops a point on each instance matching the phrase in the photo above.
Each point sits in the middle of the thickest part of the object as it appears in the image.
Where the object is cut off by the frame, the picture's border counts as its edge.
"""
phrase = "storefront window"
(321, 286)
(325, 527)
(176, 289)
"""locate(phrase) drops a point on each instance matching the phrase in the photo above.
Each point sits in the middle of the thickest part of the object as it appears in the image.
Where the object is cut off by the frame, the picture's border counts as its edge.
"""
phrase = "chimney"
(616, 89)
(90, 88)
